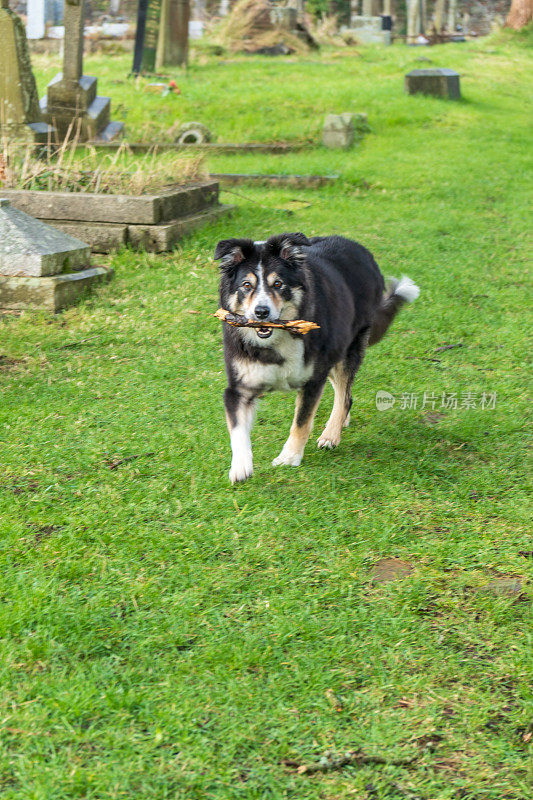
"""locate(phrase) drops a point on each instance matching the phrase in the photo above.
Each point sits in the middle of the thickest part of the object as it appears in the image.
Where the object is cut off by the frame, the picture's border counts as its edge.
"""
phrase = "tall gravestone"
(162, 37)
(20, 115)
(173, 44)
(146, 36)
(71, 101)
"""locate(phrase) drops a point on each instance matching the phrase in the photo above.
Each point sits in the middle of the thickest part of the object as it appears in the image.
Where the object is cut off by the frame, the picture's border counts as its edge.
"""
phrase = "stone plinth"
(436, 82)
(41, 267)
(20, 115)
(29, 247)
(50, 294)
(67, 101)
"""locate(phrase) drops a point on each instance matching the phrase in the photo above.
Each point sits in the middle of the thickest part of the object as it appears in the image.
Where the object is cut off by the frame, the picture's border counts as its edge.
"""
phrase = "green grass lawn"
(164, 635)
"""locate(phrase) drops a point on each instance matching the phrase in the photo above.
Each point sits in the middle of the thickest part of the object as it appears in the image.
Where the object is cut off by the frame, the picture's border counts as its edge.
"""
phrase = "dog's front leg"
(240, 412)
(304, 413)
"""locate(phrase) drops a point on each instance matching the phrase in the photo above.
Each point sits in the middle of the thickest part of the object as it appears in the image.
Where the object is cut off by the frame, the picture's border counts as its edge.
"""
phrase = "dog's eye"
(246, 285)
(277, 284)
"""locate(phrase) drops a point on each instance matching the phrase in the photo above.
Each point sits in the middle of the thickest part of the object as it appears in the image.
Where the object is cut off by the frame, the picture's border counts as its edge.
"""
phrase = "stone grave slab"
(105, 222)
(438, 82)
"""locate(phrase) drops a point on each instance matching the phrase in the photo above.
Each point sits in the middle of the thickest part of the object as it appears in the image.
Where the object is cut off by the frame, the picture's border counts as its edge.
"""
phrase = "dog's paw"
(241, 470)
(288, 458)
(327, 441)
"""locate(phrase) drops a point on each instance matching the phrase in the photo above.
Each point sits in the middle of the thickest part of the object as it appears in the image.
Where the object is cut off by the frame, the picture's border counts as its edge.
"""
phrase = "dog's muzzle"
(262, 313)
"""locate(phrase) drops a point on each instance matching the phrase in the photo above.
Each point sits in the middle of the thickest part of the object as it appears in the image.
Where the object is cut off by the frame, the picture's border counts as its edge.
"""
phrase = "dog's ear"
(232, 252)
(289, 246)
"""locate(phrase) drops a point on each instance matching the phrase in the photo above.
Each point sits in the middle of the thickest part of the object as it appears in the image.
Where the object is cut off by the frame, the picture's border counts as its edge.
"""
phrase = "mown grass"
(167, 636)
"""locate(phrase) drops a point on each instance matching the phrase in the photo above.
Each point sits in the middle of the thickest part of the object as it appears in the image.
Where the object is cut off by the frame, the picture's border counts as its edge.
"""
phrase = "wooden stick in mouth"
(238, 321)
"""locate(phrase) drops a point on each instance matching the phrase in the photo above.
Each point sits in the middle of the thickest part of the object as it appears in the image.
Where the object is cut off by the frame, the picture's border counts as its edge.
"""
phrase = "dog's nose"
(262, 312)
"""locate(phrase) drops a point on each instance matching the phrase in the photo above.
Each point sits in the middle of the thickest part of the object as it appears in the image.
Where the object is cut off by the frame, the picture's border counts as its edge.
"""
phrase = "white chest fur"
(293, 373)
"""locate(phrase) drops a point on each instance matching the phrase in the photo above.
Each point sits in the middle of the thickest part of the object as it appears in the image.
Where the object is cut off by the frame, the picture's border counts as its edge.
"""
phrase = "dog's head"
(263, 280)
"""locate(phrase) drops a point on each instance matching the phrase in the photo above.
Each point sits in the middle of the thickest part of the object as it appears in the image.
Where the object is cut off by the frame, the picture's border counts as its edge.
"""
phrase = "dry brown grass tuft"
(67, 169)
(249, 27)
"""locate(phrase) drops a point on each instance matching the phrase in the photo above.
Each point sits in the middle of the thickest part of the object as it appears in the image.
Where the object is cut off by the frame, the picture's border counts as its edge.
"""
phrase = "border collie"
(329, 280)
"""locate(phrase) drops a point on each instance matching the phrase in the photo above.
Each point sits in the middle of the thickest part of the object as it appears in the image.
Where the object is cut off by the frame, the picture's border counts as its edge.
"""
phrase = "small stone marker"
(437, 82)
(193, 133)
(20, 115)
(71, 95)
(41, 267)
(338, 130)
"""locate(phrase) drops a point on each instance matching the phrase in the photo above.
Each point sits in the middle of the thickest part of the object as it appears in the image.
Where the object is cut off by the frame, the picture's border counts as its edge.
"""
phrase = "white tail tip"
(407, 289)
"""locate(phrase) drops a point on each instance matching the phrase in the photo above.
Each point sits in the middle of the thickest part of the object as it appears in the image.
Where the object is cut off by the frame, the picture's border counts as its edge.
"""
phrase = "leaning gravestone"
(41, 267)
(436, 82)
(20, 115)
(71, 96)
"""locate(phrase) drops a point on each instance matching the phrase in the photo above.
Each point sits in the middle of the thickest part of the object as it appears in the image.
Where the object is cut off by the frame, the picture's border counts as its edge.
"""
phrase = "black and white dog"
(328, 280)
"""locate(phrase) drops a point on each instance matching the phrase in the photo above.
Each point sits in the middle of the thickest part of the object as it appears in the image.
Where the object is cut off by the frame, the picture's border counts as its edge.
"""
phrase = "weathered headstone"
(71, 96)
(338, 130)
(437, 82)
(41, 267)
(20, 115)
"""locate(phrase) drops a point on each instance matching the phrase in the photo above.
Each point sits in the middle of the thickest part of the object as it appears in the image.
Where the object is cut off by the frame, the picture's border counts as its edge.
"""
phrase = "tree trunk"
(452, 12)
(438, 16)
(413, 20)
(521, 12)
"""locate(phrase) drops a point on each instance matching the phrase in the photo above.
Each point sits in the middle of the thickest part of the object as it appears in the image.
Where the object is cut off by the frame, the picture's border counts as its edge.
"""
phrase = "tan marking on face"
(242, 308)
(251, 277)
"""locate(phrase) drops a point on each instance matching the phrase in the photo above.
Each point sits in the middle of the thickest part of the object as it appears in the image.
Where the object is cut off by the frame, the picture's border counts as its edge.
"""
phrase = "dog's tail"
(398, 293)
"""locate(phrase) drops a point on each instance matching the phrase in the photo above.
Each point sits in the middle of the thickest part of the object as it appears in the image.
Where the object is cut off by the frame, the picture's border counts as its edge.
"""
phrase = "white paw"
(328, 442)
(288, 458)
(241, 470)
(346, 421)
